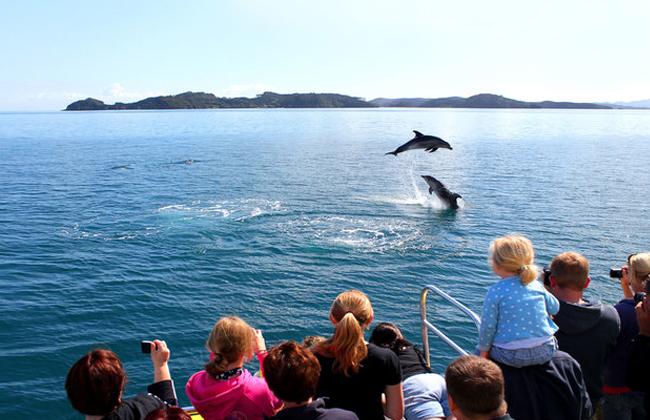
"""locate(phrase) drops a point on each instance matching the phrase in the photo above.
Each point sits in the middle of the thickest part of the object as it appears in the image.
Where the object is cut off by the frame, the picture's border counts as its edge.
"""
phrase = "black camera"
(615, 273)
(546, 276)
(145, 346)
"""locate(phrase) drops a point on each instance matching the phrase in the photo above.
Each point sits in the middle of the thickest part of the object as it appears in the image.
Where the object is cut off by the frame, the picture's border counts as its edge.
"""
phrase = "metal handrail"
(426, 325)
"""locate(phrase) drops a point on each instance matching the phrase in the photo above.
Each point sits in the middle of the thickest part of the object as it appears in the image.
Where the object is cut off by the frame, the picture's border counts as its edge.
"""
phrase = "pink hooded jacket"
(243, 397)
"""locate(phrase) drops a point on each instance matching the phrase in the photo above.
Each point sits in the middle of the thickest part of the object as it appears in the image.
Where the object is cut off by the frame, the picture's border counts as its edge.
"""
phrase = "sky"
(55, 52)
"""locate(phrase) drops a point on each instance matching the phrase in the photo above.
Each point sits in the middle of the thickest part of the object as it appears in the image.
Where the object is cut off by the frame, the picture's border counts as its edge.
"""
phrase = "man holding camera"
(587, 331)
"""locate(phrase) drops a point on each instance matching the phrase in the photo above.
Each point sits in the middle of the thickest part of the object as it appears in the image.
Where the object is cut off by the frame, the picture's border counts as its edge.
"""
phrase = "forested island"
(202, 100)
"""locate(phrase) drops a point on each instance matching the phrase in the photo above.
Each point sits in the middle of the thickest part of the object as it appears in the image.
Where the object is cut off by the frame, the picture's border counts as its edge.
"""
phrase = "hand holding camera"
(622, 275)
(160, 354)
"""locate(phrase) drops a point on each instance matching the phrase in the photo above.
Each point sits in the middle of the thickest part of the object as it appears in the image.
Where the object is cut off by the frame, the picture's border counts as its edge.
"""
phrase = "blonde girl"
(355, 374)
(516, 325)
(224, 388)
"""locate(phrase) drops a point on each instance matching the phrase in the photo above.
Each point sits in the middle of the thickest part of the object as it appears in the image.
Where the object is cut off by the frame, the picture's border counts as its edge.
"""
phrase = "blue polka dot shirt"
(513, 312)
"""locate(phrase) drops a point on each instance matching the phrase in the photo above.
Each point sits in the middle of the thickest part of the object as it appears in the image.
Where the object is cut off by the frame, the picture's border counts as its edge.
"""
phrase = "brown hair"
(94, 383)
(570, 270)
(230, 338)
(515, 254)
(475, 385)
(292, 372)
(351, 312)
(168, 413)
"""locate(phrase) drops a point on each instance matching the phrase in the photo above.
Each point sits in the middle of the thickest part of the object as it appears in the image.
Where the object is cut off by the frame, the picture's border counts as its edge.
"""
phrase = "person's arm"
(394, 408)
(628, 293)
(159, 357)
(163, 386)
(552, 304)
(259, 347)
(488, 329)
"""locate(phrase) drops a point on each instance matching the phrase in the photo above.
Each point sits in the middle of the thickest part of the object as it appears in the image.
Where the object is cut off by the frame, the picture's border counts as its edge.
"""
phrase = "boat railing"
(428, 326)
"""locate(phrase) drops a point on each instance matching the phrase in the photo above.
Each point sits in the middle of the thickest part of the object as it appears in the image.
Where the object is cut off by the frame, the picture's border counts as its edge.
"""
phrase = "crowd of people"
(544, 352)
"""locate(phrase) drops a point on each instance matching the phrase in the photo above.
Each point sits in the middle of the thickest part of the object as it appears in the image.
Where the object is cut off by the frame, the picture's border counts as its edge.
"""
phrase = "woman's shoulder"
(136, 407)
(381, 353)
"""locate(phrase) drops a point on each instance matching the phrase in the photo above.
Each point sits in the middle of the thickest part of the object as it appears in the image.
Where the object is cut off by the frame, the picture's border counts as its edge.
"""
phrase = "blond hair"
(639, 266)
(230, 339)
(514, 254)
(351, 312)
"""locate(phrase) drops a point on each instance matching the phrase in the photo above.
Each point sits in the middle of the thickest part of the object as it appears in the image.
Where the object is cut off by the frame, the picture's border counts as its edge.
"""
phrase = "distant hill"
(202, 100)
(643, 104)
(483, 100)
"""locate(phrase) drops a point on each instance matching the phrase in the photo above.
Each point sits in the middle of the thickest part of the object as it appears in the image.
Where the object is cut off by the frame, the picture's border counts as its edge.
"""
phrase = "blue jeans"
(425, 397)
(525, 357)
(623, 406)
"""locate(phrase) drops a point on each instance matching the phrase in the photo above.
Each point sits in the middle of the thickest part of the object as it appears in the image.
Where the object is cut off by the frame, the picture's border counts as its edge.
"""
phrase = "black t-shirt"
(412, 361)
(160, 395)
(360, 392)
(316, 410)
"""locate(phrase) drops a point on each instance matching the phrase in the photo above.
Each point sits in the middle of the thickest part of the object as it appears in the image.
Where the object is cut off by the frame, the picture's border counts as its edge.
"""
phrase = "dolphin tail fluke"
(391, 153)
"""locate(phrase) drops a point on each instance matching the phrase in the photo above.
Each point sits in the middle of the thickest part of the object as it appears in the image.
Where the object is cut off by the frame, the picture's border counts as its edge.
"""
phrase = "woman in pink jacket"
(225, 390)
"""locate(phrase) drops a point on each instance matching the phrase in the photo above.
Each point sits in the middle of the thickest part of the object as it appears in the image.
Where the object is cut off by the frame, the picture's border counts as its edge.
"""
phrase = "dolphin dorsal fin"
(417, 134)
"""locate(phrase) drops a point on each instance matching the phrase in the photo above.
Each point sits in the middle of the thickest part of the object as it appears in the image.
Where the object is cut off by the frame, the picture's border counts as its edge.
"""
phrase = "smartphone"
(146, 346)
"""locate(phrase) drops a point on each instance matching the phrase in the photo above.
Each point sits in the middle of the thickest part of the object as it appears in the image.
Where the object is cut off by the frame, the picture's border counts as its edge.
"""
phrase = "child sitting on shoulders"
(516, 325)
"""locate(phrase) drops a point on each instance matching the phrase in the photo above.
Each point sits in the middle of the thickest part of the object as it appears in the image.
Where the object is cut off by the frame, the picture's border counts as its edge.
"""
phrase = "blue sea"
(107, 237)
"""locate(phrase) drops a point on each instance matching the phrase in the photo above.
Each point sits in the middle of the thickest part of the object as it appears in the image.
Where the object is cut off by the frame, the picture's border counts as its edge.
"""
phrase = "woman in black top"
(95, 383)
(425, 392)
(354, 374)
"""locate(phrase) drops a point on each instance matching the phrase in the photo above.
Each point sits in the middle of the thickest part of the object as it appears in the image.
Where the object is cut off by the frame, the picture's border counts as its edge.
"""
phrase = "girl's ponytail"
(351, 313)
(527, 273)
(348, 345)
(231, 338)
(217, 365)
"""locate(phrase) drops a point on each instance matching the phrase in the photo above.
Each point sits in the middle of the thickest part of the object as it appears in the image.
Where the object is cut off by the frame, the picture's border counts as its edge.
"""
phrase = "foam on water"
(238, 210)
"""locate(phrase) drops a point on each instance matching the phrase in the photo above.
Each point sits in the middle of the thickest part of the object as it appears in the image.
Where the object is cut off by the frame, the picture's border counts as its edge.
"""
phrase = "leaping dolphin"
(442, 192)
(420, 141)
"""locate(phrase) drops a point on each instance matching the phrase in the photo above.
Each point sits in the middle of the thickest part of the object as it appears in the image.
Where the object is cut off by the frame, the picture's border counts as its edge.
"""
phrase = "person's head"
(570, 270)
(292, 372)
(385, 334)
(513, 255)
(475, 388)
(95, 382)
(351, 313)
(168, 413)
(639, 270)
(230, 341)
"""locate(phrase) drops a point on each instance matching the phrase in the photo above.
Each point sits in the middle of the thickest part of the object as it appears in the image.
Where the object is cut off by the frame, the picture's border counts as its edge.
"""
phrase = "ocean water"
(279, 212)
